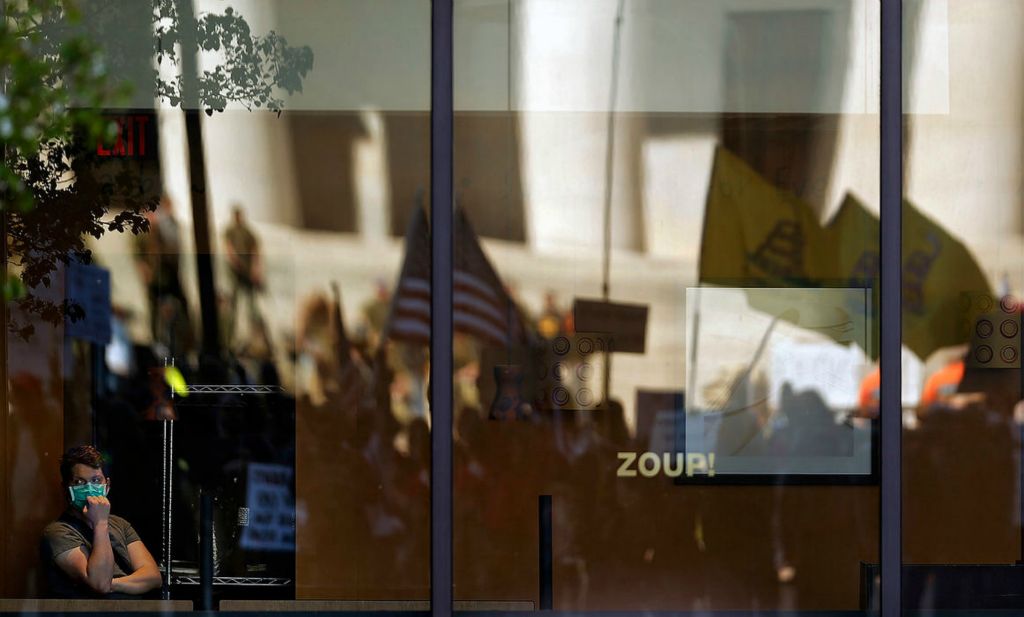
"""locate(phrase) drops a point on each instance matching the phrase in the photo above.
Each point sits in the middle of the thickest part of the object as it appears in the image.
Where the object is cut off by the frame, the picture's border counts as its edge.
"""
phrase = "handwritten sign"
(271, 509)
(830, 370)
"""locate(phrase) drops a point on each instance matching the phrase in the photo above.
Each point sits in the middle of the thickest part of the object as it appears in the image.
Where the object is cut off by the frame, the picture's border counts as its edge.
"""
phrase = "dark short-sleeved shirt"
(70, 532)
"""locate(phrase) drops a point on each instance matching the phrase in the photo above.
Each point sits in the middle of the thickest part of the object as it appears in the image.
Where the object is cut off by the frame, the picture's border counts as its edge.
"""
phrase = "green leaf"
(13, 287)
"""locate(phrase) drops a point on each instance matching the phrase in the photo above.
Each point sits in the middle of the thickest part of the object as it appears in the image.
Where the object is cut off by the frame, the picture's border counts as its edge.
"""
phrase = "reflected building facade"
(634, 153)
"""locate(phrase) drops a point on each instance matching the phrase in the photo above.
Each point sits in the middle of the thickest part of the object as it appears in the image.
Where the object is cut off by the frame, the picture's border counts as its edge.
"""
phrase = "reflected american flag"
(481, 306)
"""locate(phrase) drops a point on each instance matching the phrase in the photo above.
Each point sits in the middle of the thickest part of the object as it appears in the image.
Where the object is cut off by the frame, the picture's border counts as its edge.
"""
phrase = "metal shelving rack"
(234, 389)
(168, 496)
(236, 581)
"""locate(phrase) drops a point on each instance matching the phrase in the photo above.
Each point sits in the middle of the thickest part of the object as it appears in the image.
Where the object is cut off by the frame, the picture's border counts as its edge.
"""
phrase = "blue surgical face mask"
(82, 491)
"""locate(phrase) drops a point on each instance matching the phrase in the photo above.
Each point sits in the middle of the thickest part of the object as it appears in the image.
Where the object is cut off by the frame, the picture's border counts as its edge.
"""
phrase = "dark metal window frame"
(442, 200)
(442, 250)
(891, 98)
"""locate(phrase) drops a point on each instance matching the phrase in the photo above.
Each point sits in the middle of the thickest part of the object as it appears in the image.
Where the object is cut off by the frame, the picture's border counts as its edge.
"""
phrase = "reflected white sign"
(774, 375)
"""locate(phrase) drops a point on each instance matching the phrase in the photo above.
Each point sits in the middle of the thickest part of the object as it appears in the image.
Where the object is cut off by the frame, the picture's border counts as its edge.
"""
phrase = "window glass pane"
(666, 270)
(962, 280)
(229, 251)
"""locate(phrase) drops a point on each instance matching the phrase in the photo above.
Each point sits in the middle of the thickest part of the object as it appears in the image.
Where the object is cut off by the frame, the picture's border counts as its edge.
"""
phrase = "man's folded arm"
(76, 564)
(145, 574)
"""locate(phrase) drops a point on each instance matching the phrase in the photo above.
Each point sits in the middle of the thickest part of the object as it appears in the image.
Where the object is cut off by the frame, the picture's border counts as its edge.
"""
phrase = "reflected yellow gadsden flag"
(756, 235)
(939, 273)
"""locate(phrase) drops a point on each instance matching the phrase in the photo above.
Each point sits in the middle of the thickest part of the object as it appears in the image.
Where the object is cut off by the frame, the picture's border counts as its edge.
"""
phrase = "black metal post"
(166, 505)
(546, 565)
(206, 551)
(442, 258)
(891, 305)
(191, 104)
(210, 351)
(209, 357)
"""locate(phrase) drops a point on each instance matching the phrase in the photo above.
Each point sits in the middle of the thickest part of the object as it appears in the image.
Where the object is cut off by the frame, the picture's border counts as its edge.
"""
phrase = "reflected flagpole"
(690, 398)
(609, 183)
(609, 154)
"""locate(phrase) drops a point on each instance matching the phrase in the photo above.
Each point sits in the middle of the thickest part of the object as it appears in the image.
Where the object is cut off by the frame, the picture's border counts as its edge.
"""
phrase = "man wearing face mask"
(88, 552)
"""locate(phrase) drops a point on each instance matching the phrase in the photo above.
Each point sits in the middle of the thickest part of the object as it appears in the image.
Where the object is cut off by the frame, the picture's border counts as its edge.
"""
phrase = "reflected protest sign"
(774, 373)
(624, 324)
(270, 506)
(825, 368)
(659, 418)
(89, 287)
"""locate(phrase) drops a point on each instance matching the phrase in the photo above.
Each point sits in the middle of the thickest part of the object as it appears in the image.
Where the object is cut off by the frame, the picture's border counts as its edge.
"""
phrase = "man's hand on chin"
(97, 511)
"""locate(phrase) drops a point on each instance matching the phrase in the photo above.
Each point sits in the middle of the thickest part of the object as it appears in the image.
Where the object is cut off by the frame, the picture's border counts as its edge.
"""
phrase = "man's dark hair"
(79, 455)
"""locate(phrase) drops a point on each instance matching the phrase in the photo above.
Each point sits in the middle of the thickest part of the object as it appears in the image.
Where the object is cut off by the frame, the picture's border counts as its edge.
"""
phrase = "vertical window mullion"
(441, 201)
(891, 285)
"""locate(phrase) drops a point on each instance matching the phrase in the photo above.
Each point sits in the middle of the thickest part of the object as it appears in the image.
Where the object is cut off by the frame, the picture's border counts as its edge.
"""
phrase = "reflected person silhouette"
(245, 264)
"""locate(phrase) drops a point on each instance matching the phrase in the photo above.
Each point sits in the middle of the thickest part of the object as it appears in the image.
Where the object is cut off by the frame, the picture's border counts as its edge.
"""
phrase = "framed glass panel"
(666, 277)
(962, 278)
(228, 287)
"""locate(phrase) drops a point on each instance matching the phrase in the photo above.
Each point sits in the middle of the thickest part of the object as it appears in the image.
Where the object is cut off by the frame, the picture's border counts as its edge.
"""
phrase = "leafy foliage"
(57, 82)
(249, 69)
(55, 85)
(71, 203)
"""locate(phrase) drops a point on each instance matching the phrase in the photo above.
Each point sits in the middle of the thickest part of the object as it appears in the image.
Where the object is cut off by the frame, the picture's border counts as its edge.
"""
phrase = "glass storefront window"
(232, 346)
(674, 314)
(668, 221)
(962, 280)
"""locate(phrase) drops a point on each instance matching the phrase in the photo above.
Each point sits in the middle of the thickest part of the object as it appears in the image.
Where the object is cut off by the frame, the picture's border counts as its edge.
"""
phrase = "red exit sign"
(131, 137)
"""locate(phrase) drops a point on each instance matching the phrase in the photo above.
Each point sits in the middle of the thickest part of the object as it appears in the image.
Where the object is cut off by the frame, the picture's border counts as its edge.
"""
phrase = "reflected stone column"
(965, 150)
(562, 83)
(250, 159)
(248, 153)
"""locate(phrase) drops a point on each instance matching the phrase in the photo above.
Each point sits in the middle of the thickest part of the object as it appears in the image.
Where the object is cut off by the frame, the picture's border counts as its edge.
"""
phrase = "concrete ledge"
(314, 606)
(93, 606)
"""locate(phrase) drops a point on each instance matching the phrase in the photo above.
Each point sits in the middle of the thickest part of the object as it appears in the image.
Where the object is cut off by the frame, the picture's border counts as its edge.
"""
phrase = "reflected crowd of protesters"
(366, 454)
(362, 511)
